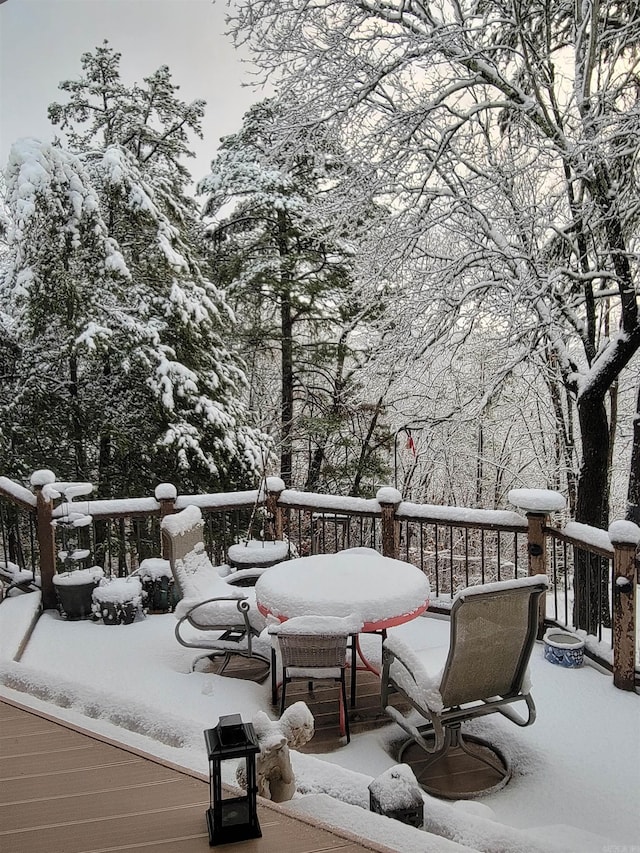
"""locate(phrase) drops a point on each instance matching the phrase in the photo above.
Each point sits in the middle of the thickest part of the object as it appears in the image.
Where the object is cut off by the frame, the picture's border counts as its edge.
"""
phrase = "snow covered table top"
(380, 591)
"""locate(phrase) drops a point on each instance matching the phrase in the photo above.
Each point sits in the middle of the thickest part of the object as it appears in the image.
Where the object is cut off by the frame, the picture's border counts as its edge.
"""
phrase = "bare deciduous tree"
(512, 129)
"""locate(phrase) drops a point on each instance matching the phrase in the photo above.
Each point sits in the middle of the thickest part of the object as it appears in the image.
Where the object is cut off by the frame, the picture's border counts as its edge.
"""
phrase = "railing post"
(166, 494)
(624, 603)
(46, 538)
(389, 500)
(537, 553)
(275, 487)
(537, 504)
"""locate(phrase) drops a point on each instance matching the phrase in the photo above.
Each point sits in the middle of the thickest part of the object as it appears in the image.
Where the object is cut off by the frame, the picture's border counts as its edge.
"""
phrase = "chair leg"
(225, 663)
(354, 670)
(274, 679)
(343, 706)
(283, 694)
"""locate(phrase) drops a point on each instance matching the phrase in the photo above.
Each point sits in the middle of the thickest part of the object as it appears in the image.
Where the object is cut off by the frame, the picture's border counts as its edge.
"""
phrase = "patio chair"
(12, 577)
(212, 614)
(313, 648)
(482, 671)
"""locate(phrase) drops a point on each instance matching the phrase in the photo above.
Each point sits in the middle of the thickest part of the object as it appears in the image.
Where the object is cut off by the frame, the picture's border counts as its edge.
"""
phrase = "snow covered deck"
(132, 685)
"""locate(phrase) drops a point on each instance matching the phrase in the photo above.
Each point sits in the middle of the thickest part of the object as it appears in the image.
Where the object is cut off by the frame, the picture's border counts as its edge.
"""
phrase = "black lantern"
(232, 818)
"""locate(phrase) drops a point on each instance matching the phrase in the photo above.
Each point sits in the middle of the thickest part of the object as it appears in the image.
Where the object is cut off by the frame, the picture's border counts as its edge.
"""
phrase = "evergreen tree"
(293, 288)
(164, 396)
(57, 321)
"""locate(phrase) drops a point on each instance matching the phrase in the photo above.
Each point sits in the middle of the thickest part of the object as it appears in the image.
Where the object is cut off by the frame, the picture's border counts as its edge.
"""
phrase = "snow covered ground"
(576, 779)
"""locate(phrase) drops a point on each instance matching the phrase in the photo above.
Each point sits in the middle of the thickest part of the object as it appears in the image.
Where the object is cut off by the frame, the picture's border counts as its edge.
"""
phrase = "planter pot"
(161, 595)
(563, 648)
(118, 601)
(159, 590)
(118, 613)
(74, 602)
(74, 591)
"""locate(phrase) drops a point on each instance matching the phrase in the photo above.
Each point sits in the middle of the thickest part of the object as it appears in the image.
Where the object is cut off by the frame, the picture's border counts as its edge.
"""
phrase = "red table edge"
(367, 627)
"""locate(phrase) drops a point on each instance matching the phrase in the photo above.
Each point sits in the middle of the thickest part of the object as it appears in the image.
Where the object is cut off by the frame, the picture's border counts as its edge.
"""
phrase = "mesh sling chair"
(482, 671)
(13, 577)
(212, 614)
(313, 648)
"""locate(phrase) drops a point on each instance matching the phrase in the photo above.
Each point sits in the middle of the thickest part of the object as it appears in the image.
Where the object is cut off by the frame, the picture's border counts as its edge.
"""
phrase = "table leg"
(356, 650)
(354, 642)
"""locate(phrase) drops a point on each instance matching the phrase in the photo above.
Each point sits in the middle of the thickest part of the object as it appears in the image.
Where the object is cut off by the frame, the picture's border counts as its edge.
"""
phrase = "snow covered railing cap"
(165, 492)
(18, 493)
(275, 484)
(624, 533)
(42, 477)
(388, 495)
(540, 501)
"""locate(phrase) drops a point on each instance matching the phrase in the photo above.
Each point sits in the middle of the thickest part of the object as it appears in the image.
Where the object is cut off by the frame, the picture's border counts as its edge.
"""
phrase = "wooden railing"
(18, 534)
(455, 547)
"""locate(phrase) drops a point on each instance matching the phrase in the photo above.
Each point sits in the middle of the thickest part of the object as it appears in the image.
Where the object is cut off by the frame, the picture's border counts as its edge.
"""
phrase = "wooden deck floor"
(63, 791)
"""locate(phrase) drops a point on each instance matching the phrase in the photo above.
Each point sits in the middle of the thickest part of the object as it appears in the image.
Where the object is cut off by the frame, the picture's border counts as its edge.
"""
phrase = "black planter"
(74, 600)
(161, 594)
(118, 612)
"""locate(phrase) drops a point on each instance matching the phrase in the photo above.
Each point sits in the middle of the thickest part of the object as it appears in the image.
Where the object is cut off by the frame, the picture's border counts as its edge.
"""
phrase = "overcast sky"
(41, 42)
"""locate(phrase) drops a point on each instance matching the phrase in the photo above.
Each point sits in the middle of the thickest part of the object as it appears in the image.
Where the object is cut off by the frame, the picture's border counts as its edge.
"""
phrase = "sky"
(41, 42)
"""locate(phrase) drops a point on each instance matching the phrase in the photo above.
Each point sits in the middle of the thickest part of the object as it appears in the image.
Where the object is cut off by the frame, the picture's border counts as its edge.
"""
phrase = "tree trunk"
(286, 329)
(563, 439)
(333, 415)
(613, 426)
(365, 450)
(592, 504)
(633, 493)
(479, 461)
(315, 466)
(76, 425)
(591, 603)
(286, 410)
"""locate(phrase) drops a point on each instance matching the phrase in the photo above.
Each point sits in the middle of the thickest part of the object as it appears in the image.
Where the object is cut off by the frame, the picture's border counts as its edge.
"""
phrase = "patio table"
(380, 591)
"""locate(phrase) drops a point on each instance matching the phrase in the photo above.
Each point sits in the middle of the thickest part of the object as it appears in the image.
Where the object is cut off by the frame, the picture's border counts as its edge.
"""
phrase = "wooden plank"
(125, 799)
(110, 800)
(92, 754)
(131, 771)
(74, 834)
(39, 742)
(11, 727)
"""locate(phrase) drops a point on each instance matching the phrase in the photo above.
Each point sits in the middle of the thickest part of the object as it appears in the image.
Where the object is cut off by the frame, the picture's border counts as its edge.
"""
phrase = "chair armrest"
(403, 670)
(245, 577)
(242, 604)
(395, 649)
